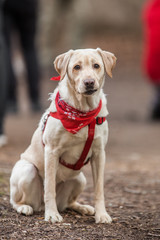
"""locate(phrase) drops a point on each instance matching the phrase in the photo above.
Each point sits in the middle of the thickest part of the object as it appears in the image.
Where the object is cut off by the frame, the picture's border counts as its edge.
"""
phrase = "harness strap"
(81, 162)
(44, 126)
(91, 130)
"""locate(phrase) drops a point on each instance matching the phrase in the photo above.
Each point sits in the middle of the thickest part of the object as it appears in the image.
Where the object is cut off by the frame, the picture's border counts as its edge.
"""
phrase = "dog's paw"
(25, 209)
(87, 210)
(54, 217)
(103, 218)
(82, 209)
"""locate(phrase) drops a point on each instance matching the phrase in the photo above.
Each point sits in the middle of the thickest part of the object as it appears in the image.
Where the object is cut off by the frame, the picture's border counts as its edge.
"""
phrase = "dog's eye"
(96, 65)
(77, 67)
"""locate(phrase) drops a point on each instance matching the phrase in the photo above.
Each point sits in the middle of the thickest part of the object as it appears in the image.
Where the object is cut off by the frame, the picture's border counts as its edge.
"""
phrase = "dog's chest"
(73, 150)
(72, 146)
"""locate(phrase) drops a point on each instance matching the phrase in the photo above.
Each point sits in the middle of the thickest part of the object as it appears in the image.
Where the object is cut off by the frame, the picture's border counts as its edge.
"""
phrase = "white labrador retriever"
(47, 172)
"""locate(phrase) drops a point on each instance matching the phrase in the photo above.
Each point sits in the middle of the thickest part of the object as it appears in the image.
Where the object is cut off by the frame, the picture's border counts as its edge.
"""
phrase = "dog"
(49, 173)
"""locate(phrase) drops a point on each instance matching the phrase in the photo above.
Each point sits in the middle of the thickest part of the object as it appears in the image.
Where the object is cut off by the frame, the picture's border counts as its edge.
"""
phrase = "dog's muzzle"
(89, 86)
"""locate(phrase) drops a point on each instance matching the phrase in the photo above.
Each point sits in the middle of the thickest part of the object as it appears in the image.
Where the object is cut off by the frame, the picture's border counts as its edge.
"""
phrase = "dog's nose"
(89, 83)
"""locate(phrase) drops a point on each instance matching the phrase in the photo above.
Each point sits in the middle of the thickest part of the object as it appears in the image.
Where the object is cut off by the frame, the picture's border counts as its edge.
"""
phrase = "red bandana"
(58, 78)
(72, 119)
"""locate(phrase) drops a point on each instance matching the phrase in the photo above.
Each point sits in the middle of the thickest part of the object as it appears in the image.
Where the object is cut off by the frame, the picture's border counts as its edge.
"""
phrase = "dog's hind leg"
(68, 192)
(26, 188)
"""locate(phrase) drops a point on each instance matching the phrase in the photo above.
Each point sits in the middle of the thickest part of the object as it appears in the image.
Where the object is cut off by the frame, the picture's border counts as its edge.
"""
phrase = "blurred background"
(111, 25)
(133, 150)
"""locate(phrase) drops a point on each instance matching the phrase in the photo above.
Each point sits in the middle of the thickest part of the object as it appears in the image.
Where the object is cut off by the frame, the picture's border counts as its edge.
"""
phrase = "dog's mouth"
(90, 92)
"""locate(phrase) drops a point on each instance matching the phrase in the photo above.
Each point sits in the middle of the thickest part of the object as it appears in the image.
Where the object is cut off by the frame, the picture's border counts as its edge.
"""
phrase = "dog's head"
(85, 68)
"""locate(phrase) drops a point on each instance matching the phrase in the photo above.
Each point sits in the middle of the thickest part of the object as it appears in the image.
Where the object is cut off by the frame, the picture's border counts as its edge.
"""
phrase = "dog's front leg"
(98, 165)
(51, 165)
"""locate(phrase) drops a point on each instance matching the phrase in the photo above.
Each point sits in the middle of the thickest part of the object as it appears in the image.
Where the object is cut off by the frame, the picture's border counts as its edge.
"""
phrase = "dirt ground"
(132, 177)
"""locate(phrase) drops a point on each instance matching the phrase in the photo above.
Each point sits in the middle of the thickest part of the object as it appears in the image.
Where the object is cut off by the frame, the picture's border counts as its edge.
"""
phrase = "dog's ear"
(61, 63)
(109, 60)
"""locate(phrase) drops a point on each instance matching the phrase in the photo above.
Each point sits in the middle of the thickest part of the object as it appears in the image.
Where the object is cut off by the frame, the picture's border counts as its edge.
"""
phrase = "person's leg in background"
(3, 81)
(20, 17)
(155, 114)
(12, 105)
(27, 31)
(9, 24)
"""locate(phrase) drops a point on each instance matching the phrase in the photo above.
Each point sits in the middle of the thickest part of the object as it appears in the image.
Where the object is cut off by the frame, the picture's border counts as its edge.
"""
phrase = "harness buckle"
(100, 120)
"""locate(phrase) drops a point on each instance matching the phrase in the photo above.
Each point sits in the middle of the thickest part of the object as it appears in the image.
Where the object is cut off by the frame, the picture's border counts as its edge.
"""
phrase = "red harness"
(73, 120)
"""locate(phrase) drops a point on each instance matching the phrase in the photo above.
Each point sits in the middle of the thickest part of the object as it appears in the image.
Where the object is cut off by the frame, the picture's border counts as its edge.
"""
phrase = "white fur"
(38, 178)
